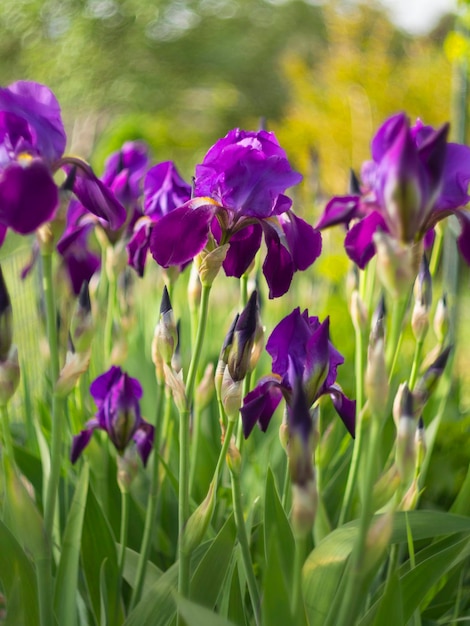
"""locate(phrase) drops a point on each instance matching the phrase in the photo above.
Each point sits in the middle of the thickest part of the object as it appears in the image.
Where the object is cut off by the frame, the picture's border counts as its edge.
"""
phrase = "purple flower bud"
(243, 340)
(6, 325)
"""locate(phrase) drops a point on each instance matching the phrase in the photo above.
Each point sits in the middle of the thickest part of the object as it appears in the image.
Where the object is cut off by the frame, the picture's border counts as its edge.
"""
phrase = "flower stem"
(356, 573)
(244, 544)
(183, 501)
(7, 440)
(110, 310)
(297, 599)
(394, 340)
(416, 364)
(358, 442)
(125, 501)
(150, 516)
(45, 565)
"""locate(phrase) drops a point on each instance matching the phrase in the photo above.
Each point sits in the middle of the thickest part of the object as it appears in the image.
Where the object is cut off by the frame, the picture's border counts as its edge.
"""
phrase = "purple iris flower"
(300, 349)
(415, 179)
(79, 260)
(164, 190)
(117, 396)
(239, 196)
(32, 143)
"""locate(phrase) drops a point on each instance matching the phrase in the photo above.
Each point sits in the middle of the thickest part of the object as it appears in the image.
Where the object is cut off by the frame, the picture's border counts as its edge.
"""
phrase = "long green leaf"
(98, 545)
(214, 566)
(196, 615)
(65, 597)
(18, 581)
(390, 609)
(325, 565)
(276, 524)
(157, 607)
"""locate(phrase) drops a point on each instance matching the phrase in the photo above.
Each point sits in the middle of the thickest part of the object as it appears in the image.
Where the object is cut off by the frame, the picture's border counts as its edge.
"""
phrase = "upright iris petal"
(244, 177)
(117, 397)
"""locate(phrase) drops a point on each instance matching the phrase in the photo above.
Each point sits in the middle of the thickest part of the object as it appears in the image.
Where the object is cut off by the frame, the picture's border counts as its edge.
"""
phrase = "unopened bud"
(420, 444)
(223, 356)
(76, 364)
(82, 326)
(358, 311)
(385, 487)
(423, 300)
(234, 459)
(405, 457)
(176, 361)
(167, 334)
(205, 389)
(397, 264)
(196, 527)
(176, 384)
(411, 497)
(284, 433)
(243, 339)
(231, 395)
(428, 381)
(304, 508)
(301, 437)
(441, 320)
(398, 403)
(127, 468)
(9, 375)
(377, 540)
(209, 263)
(194, 289)
(376, 377)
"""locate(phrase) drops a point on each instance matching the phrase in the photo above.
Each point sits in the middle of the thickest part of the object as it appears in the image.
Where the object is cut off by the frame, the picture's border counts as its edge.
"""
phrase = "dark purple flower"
(32, 144)
(32, 138)
(415, 179)
(79, 260)
(124, 173)
(164, 191)
(300, 349)
(117, 396)
(239, 195)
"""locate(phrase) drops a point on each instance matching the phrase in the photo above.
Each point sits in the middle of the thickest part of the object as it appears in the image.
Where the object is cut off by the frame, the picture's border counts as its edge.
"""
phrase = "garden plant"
(198, 449)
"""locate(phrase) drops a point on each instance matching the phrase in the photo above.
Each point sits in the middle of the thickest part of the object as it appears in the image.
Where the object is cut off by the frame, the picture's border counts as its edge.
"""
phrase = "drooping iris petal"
(28, 196)
(138, 247)
(359, 243)
(278, 267)
(456, 178)
(259, 405)
(98, 199)
(243, 248)
(124, 171)
(304, 241)
(345, 408)
(80, 441)
(339, 210)
(143, 438)
(463, 240)
(177, 237)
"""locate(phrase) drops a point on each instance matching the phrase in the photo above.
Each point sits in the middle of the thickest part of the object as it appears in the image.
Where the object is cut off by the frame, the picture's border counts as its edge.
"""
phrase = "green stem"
(355, 576)
(244, 545)
(183, 502)
(399, 307)
(150, 516)
(436, 251)
(351, 483)
(110, 311)
(125, 501)
(7, 440)
(416, 363)
(44, 569)
(297, 598)
(286, 486)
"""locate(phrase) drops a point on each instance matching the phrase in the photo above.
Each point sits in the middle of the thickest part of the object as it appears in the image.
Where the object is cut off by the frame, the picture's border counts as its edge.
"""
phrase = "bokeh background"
(180, 73)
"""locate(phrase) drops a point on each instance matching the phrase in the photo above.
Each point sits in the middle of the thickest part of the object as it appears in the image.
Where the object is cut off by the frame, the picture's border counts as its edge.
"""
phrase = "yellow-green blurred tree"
(365, 72)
